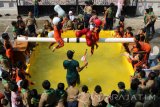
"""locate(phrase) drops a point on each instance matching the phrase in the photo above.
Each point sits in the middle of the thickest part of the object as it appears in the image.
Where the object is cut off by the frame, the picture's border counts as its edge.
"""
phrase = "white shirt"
(72, 17)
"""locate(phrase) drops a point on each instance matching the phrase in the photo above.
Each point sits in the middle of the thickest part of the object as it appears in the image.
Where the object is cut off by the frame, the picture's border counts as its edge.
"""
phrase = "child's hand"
(13, 72)
(26, 37)
(86, 64)
(28, 75)
(125, 54)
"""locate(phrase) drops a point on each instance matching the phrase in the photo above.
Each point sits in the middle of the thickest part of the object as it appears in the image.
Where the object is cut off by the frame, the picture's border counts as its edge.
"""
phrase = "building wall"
(155, 4)
(10, 6)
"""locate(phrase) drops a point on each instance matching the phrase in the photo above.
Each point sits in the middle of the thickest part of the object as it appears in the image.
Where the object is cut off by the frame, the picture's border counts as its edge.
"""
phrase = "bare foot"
(53, 49)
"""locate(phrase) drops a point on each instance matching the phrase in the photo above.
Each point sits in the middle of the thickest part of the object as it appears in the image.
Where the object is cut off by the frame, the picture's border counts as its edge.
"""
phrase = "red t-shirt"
(1, 97)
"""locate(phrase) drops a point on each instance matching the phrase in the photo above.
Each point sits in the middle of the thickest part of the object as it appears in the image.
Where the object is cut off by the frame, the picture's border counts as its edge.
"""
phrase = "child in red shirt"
(92, 36)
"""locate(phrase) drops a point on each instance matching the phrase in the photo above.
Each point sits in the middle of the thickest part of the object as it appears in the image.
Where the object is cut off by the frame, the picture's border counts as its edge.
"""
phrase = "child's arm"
(28, 75)
(79, 69)
(149, 21)
(26, 21)
(128, 55)
(35, 22)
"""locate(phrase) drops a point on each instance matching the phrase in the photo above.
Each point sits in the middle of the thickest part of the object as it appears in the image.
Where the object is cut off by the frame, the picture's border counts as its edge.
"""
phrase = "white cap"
(70, 12)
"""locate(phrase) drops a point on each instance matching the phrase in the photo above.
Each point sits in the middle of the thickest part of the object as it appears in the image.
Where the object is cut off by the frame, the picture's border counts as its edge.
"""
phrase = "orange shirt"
(6, 42)
(57, 34)
(127, 35)
(138, 64)
(9, 53)
(134, 50)
(118, 35)
(145, 47)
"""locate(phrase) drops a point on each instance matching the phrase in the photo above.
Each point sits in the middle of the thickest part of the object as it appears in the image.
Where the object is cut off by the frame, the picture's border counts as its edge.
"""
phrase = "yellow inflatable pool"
(106, 67)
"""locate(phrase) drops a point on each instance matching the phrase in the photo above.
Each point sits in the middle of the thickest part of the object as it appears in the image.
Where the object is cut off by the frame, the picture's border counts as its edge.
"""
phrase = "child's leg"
(92, 49)
(51, 45)
(60, 44)
(96, 45)
(57, 47)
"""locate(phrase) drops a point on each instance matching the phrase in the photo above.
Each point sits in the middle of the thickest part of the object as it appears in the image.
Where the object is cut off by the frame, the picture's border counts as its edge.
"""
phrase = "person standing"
(36, 8)
(120, 7)
(87, 13)
(71, 16)
(31, 24)
(108, 17)
(73, 68)
(21, 25)
(147, 22)
(153, 19)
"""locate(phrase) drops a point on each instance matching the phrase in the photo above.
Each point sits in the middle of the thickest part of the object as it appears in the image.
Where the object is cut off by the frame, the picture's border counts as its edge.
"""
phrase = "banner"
(99, 2)
(48, 2)
(68, 2)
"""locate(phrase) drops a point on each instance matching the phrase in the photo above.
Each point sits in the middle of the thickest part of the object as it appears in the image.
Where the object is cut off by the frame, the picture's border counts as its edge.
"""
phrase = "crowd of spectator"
(144, 88)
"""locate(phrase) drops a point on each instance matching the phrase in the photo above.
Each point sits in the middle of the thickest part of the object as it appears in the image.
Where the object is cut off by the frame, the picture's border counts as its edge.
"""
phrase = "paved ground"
(135, 22)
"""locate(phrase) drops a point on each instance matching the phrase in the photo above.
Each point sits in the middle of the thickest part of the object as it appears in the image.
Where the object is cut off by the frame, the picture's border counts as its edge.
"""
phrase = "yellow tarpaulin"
(106, 67)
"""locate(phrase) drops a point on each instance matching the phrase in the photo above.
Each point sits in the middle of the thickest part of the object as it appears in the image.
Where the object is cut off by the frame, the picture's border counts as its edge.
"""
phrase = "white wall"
(155, 4)
(8, 7)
